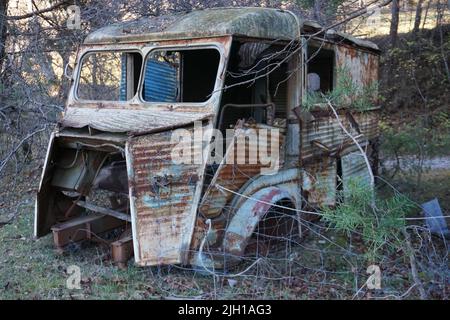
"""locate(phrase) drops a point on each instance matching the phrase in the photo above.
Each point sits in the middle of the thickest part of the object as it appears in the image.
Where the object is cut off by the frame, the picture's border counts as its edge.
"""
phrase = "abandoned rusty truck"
(124, 158)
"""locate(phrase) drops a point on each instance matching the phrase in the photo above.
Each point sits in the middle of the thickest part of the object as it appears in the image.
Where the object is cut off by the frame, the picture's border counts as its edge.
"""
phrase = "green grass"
(31, 269)
(434, 184)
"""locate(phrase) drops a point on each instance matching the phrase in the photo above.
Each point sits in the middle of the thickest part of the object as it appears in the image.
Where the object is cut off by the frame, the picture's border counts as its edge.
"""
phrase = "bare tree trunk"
(418, 17)
(426, 14)
(439, 23)
(395, 10)
(3, 30)
(317, 10)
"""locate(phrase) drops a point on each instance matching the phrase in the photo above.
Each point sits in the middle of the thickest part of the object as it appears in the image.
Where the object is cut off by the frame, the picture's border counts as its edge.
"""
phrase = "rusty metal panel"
(125, 120)
(323, 136)
(253, 22)
(163, 199)
(41, 223)
(232, 175)
(319, 182)
(354, 168)
(325, 130)
(363, 65)
(257, 22)
(368, 123)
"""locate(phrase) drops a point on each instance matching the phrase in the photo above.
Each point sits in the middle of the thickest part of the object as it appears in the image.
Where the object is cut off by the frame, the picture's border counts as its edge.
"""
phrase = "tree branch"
(38, 12)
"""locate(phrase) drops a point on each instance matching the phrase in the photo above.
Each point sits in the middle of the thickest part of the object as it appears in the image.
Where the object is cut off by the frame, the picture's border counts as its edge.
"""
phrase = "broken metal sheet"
(163, 199)
(42, 223)
(98, 138)
(51, 203)
(319, 182)
(232, 175)
(325, 130)
(354, 168)
(368, 123)
(362, 65)
(247, 218)
(123, 120)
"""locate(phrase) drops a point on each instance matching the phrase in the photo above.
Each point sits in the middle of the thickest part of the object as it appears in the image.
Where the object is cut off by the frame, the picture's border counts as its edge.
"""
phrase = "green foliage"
(329, 7)
(413, 75)
(424, 137)
(347, 94)
(379, 226)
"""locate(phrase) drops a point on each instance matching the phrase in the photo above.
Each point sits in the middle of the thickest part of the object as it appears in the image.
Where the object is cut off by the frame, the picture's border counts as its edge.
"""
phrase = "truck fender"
(247, 217)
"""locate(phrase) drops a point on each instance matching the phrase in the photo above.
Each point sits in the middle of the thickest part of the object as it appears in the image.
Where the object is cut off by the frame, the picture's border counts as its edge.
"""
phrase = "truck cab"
(184, 132)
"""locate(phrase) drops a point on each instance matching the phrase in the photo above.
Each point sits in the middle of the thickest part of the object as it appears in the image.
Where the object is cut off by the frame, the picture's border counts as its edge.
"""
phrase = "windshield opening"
(109, 76)
(180, 75)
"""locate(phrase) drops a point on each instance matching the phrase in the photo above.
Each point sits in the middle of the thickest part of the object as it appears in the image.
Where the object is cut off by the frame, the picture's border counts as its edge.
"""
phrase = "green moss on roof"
(265, 23)
(252, 22)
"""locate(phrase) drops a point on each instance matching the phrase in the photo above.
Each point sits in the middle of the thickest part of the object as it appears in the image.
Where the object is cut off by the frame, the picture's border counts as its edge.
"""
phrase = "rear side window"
(109, 76)
(180, 75)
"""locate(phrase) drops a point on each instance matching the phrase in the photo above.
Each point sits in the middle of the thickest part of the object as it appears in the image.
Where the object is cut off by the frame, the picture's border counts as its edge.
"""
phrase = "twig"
(363, 153)
(6, 159)
(38, 12)
(215, 274)
(352, 16)
(412, 262)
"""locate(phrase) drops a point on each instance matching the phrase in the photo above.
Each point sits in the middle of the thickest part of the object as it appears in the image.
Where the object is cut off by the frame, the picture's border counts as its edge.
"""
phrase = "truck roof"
(254, 22)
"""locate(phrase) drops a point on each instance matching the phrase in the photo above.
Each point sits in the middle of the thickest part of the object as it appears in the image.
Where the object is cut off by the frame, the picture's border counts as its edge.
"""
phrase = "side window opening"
(254, 97)
(320, 69)
(180, 75)
(278, 81)
(109, 76)
(263, 100)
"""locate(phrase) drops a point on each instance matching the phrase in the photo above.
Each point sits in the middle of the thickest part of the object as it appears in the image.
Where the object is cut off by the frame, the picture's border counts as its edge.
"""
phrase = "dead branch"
(363, 153)
(38, 12)
(367, 9)
(412, 262)
(8, 157)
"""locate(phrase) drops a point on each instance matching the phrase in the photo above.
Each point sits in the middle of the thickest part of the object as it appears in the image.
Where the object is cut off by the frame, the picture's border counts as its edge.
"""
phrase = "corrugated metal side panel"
(233, 176)
(368, 123)
(319, 182)
(328, 132)
(354, 168)
(320, 176)
(123, 79)
(163, 199)
(160, 83)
